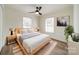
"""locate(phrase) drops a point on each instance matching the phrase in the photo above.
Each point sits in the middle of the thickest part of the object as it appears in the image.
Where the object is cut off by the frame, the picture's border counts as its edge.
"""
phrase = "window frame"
(28, 25)
(51, 25)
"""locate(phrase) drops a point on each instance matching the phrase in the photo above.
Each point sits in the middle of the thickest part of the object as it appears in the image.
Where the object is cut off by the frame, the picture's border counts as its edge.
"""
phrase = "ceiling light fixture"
(36, 13)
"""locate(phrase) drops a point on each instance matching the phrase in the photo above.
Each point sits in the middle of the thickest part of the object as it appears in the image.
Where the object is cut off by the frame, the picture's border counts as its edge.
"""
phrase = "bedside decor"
(37, 29)
(7, 50)
(10, 39)
(11, 31)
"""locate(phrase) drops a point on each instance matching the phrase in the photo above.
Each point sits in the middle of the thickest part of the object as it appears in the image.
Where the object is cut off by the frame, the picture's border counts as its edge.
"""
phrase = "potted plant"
(68, 31)
(72, 40)
(75, 37)
(73, 44)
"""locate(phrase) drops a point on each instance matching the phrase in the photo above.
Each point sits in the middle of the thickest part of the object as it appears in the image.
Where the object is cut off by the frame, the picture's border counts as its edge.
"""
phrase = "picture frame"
(63, 21)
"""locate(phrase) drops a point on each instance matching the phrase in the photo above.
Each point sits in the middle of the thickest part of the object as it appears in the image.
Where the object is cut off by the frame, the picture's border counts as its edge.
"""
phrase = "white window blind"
(27, 22)
(49, 25)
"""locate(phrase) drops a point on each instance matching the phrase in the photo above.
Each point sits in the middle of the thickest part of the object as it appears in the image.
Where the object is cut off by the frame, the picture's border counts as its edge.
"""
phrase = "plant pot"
(73, 47)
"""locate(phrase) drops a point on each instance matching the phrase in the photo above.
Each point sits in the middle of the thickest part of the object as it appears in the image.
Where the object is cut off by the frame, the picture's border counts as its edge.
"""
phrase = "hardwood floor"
(16, 49)
(53, 48)
(47, 49)
(60, 49)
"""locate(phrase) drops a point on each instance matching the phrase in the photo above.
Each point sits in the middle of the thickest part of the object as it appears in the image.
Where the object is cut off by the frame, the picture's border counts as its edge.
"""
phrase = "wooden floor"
(60, 49)
(53, 48)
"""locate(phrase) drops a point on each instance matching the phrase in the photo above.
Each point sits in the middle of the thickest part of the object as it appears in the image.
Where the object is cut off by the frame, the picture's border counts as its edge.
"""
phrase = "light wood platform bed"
(27, 47)
(33, 43)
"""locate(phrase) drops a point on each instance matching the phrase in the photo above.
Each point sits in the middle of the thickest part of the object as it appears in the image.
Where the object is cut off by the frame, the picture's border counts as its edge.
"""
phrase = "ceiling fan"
(37, 11)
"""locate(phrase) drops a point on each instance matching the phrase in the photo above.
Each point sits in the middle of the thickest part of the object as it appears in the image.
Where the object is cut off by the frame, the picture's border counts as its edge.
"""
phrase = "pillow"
(31, 30)
(28, 30)
(24, 30)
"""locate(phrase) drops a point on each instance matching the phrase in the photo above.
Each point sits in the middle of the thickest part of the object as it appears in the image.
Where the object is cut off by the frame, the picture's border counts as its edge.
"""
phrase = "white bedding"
(34, 41)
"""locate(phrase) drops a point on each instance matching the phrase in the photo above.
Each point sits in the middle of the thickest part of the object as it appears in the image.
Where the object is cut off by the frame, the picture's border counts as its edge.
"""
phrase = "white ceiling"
(46, 8)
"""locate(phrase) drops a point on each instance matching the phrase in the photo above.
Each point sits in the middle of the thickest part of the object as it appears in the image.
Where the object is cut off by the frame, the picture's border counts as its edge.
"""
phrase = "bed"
(32, 42)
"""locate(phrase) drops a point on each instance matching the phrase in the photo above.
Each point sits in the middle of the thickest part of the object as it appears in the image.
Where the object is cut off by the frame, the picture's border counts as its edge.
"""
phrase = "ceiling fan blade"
(31, 12)
(40, 13)
(40, 8)
(37, 7)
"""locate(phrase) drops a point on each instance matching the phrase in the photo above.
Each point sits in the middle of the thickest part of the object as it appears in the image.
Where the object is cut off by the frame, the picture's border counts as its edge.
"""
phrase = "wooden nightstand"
(10, 39)
(7, 50)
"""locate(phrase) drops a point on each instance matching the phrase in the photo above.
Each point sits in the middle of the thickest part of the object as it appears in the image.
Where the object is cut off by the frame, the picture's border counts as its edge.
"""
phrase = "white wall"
(76, 18)
(1, 27)
(13, 18)
(59, 31)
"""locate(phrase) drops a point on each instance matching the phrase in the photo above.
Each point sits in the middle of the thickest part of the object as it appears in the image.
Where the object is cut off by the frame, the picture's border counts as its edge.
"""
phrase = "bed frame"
(25, 51)
(40, 46)
(22, 48)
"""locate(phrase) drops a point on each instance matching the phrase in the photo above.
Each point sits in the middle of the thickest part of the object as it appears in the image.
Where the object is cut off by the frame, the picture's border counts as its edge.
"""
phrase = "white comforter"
(34, 41)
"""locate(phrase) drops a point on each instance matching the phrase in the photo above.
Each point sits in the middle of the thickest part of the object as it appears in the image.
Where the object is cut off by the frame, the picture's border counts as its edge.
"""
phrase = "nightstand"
(10, 39)
(7, 50)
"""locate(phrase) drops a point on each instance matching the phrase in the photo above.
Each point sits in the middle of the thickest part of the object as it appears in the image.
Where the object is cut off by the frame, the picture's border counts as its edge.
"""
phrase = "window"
(49, 25)
(27, 22)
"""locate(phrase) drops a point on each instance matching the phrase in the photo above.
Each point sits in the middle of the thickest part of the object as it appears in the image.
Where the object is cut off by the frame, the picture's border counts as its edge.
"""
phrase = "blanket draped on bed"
(25, 36)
